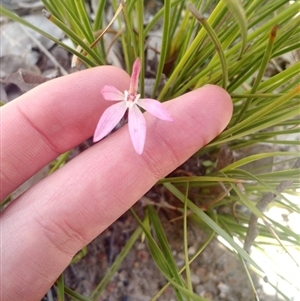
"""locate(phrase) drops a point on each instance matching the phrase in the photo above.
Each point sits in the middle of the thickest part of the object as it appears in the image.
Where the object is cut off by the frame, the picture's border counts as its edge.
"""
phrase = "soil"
(217, 274)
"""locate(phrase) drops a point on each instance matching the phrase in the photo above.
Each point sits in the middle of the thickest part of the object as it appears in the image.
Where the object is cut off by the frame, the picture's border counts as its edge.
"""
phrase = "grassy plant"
(229, 43)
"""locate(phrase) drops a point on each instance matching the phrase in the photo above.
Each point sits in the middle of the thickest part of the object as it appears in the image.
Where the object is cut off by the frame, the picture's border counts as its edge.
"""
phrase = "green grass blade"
(140, 21)
(265, 110)
(256, 157)
(164, 246)
(211, 224)
(189, 53)
(60, 162)
(281, 78)
(198, 252)
(163, 264)
(14, 17)
(158, 15)
(237, 9)
(73, 36)
(82, 253)
(115, 266)
(85, 22)
(77, 23)
(98, 23)
(215, 40)
(261, 71)
(185, 241)
(60, 288)
(76, 295)
(164, 45)
(56, 8)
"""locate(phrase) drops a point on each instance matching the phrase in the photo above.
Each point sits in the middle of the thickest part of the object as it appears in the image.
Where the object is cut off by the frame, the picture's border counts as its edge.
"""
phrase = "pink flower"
(129, 100)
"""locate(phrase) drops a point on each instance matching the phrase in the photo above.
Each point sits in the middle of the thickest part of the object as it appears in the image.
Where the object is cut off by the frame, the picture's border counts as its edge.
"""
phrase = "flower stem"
(140, 18)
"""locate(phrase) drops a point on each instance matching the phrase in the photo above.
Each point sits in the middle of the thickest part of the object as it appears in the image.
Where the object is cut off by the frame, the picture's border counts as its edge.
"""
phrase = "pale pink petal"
(112, 93)
(155, 108)
(137, 128)
(109, 119)
(134, 81)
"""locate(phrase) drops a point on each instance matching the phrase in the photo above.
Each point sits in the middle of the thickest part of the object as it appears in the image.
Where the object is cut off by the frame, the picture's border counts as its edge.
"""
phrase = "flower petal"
(134, 81)
(137, 128)
(109, 119)
(155, 108)
(112, 93)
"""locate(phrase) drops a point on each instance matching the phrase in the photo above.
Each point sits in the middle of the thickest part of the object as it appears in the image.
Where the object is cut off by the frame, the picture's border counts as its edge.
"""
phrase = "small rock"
(140, 246)
(143, 256)
(123, 275)
(224, 290)
(195, 279)
(181, 256)
(191, 250)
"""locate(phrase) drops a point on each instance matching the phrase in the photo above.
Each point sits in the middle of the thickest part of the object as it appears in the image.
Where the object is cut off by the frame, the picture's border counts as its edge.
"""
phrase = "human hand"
(43, 229)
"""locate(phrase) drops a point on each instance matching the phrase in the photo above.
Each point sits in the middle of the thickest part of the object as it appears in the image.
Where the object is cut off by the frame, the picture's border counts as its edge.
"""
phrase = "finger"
(50, 120)
(61, 214)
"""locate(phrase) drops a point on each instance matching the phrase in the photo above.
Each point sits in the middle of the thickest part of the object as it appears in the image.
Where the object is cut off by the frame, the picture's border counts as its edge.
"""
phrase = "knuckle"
(62, 235)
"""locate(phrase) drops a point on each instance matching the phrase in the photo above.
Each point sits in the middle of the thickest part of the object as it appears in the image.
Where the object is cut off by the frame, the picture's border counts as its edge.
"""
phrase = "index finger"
(51, 119)
(53, 220)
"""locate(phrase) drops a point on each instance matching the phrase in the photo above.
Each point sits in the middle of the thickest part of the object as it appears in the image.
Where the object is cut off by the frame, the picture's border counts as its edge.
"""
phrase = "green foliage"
(230, 43)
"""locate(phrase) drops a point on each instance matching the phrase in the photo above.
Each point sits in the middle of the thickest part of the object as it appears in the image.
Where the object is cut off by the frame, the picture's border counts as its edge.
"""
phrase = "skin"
(43, 229)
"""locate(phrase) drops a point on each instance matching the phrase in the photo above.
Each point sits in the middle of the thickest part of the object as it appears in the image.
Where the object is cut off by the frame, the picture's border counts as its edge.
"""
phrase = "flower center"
(131, 98)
